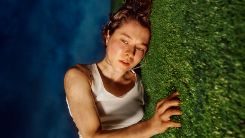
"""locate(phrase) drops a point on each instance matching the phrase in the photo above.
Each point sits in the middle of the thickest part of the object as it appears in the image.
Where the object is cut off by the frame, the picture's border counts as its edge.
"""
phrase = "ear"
(107, 37)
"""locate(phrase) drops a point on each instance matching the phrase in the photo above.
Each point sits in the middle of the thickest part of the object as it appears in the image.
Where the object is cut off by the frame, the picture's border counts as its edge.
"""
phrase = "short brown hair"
(138, 10)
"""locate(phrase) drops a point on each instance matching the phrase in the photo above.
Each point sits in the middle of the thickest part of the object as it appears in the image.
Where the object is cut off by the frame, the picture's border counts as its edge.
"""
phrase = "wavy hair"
(138, 10)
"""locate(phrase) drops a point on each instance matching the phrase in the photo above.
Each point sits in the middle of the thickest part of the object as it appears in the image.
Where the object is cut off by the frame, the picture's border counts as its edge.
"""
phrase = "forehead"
(134, 29)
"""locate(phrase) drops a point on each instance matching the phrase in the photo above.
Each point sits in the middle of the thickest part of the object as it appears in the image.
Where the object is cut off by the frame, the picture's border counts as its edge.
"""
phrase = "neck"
(108, 71)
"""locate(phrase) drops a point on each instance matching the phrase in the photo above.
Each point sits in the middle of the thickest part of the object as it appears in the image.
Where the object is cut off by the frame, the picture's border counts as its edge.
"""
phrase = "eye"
(124, 41)
(140, 49)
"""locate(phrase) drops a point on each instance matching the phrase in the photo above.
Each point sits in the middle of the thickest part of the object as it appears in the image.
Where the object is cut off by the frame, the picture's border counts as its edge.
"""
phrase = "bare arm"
(84, 113)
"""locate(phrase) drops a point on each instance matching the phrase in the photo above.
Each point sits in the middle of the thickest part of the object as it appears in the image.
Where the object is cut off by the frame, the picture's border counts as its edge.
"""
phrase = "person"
(105, 99)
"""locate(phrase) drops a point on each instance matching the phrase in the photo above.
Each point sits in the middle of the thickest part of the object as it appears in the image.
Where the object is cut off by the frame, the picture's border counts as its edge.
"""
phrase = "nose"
(130, 52)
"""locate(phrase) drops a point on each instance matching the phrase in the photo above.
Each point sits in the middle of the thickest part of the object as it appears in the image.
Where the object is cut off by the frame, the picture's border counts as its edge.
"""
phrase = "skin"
(126, 47)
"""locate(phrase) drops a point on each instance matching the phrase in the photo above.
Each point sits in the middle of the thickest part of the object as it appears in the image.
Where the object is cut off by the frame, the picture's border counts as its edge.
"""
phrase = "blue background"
(39, 40)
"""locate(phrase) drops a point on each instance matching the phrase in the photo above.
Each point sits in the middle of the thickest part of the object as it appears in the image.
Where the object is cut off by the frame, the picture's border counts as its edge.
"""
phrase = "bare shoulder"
(79, 98)
(77, 75)
(78, 71)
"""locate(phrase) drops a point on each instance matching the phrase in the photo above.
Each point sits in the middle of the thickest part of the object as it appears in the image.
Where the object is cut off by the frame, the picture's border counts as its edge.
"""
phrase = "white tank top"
(117, 112)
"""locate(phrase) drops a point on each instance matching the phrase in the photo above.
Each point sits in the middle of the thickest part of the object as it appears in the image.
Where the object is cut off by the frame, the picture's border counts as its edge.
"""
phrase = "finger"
(160, 103)
(173, 95)
(170, 112)
(170, 124)
(167, 104)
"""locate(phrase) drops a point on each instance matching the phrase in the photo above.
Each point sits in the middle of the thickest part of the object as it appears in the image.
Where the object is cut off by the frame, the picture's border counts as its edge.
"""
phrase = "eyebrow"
(126, 35)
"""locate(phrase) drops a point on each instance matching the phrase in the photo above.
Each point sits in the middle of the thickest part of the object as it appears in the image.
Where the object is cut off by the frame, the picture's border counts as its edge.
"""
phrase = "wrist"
(149, 130)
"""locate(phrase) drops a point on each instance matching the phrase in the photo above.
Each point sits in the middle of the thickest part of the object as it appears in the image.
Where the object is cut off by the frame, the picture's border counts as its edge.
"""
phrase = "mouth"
(125, 63)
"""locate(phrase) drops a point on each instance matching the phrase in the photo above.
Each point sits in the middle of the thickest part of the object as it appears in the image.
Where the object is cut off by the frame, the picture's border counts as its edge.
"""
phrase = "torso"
(118, 104)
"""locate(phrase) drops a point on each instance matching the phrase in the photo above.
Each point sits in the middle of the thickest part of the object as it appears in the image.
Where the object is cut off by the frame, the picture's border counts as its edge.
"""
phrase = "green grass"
(115, 5)
(198, 48)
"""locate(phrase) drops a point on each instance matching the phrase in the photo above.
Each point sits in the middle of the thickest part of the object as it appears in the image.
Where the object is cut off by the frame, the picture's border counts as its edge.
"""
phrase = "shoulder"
(78, 74)
(78, 70)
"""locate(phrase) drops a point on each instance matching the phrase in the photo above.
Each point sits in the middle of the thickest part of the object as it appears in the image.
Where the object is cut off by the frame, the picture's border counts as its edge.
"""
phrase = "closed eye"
(140, 49)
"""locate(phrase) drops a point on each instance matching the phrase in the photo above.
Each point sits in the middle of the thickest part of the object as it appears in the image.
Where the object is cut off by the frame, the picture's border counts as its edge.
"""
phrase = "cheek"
(114, 49)
(139, 56)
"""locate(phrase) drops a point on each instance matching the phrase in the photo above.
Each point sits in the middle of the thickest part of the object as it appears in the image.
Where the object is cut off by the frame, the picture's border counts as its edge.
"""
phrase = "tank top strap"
(96, 81)
(98, 87)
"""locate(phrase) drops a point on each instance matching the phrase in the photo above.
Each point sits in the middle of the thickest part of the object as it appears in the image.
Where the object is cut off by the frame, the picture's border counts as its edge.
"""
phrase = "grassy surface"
(115, 5)
(198, 48)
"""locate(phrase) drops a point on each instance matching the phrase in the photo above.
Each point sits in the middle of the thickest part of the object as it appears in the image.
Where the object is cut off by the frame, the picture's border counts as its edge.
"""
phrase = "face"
(127, 46)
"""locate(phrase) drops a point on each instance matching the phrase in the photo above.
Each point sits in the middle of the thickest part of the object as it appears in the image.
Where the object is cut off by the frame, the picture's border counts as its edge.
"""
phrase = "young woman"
(106, 99)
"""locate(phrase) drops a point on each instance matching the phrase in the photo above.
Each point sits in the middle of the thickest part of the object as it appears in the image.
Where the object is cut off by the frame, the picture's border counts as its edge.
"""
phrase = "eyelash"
(124, 41)
(137, 48)
(140, 49)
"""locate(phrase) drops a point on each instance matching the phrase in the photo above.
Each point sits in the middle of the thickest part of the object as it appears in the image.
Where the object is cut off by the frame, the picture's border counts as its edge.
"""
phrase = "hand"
(165, 108)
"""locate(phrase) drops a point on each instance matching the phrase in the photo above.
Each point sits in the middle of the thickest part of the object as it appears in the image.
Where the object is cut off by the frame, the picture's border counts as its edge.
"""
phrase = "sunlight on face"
(127, 46)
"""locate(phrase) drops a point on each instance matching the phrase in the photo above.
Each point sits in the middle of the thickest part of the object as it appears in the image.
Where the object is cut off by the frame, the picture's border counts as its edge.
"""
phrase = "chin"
(121, 69)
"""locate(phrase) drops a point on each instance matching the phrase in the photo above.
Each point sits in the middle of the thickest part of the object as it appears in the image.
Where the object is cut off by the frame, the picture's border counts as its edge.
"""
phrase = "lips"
(125, 63)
